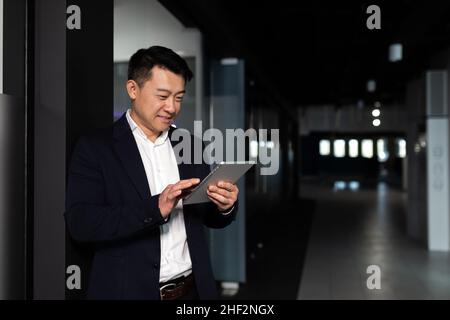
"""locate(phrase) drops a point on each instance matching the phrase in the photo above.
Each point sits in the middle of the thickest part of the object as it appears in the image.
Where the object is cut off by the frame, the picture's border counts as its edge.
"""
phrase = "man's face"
(157, 102)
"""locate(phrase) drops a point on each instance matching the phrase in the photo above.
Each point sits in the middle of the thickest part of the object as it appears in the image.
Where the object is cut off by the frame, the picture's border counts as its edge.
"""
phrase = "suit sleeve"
(213, 218)
(88, 217)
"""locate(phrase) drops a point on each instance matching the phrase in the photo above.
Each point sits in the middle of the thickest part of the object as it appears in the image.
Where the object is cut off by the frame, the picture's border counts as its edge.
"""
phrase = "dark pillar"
(90, 96)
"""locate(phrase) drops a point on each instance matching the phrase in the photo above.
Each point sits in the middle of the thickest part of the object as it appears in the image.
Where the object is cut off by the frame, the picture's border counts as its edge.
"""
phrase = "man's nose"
(170, 106)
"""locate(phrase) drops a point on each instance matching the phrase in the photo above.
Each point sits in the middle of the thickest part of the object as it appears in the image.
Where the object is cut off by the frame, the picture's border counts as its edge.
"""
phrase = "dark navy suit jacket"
(109, 204)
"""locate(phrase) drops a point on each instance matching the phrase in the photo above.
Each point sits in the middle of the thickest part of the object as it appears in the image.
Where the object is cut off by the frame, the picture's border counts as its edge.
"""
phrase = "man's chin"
(164, 127)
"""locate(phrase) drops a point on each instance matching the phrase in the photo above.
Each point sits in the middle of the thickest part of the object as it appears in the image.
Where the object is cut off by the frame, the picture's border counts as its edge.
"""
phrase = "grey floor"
(353, 229)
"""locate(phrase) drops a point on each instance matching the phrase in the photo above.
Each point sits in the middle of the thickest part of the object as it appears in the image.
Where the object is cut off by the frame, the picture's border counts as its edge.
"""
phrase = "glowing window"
(367, 148)
(324, 147)
(353, 185)
(339, 148)
(353, 148)
(339, 185)
(401, 148)
(382, 152)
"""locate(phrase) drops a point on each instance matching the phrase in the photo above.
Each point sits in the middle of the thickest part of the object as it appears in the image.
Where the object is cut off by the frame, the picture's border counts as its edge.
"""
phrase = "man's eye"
(179, 99)
(163, 97)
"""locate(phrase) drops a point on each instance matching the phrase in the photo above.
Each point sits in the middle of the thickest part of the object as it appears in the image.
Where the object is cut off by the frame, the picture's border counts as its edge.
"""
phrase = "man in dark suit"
(124, 194)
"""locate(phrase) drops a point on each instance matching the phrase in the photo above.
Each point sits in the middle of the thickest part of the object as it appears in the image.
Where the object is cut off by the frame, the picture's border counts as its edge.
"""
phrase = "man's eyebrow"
(169, 92)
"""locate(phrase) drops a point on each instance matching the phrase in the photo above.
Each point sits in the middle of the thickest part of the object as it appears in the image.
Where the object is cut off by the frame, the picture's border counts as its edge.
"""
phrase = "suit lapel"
(126, 149)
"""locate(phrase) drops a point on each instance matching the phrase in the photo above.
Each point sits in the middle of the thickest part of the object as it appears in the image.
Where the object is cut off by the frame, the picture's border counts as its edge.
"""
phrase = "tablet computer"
(224, 171)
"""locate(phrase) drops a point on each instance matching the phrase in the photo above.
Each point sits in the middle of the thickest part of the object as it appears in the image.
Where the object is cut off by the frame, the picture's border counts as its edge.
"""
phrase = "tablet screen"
(225, 171)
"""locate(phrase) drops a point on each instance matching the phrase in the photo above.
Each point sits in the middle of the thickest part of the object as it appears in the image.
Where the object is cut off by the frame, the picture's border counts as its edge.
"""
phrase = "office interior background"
(360, 207)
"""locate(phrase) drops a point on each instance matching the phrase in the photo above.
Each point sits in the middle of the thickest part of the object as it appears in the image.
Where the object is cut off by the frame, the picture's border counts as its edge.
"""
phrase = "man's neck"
(149, 133)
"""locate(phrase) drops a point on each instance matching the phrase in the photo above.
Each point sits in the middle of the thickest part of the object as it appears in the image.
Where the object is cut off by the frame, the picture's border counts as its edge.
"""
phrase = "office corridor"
(355, 228)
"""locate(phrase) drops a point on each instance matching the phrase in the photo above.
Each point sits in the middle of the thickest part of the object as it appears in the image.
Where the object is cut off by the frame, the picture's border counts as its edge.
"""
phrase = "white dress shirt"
(161, 169)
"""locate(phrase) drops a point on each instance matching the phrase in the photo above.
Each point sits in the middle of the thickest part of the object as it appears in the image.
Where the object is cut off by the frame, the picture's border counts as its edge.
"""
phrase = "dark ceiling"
(315, 52)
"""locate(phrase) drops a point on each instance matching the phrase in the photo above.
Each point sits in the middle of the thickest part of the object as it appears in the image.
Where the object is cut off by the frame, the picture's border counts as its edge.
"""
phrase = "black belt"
(176, 288)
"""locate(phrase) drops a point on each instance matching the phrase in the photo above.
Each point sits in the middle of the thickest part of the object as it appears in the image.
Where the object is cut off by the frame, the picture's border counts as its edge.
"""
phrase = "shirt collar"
(134, 127)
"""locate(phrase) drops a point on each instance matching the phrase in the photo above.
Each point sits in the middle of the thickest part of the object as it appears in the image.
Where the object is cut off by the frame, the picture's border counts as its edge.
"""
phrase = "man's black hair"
(142, 62)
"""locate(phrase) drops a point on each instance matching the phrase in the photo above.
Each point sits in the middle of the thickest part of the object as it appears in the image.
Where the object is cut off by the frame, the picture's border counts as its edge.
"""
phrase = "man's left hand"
(223, 194)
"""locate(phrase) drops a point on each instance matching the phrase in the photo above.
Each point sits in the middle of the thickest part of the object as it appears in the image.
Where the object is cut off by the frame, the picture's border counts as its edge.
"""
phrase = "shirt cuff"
(227, 212)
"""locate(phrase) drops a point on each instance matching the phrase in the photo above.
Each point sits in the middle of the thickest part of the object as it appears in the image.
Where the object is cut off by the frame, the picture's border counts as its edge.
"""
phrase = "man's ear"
(132, 88)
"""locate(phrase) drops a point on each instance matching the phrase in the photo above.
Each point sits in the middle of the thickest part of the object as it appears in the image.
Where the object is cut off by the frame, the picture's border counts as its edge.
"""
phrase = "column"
(438, 161)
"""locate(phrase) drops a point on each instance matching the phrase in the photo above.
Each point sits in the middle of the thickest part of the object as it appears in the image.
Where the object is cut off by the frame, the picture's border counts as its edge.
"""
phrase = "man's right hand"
(168, 199)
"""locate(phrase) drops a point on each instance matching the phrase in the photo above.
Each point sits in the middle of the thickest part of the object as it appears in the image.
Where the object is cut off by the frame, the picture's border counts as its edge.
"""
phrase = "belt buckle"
(169, 285)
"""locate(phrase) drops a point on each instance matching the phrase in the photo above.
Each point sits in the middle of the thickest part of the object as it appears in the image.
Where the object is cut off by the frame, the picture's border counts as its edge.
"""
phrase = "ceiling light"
(376, 122)
(371, 85)
(395, 52)
(229, 61)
